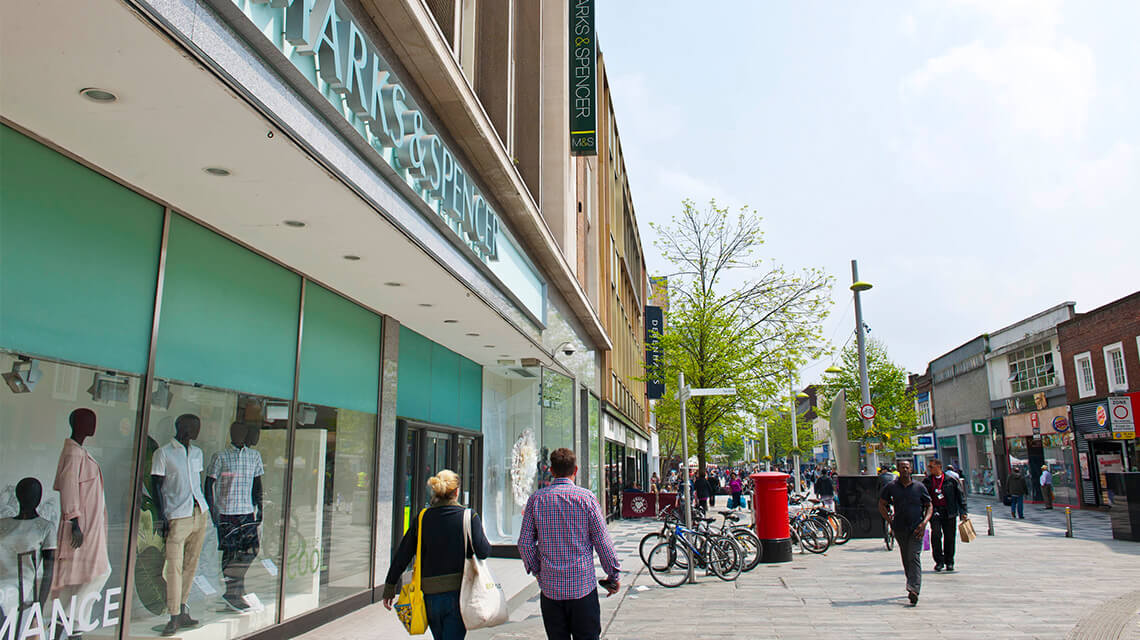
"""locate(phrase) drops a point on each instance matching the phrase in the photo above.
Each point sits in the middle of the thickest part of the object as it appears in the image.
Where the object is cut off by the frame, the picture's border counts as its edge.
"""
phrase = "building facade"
(1100, 358)
(1028, 407)
(922, 442)
(348, 227)
(961, 408)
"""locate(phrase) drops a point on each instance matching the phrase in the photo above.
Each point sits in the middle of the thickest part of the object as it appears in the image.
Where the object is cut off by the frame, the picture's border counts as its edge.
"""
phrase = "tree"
(894, 405)
(780, 433)
(747, 336)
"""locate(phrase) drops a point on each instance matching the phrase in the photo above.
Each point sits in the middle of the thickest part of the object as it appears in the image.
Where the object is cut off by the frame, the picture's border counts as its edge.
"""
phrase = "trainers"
(949, 568)
(939, 567)
(171, 627)
(913, 598)
(235, 602)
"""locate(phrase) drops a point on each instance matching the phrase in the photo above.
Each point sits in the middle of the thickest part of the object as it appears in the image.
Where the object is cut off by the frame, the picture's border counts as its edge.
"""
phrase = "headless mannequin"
(236, 562)
(184, 431)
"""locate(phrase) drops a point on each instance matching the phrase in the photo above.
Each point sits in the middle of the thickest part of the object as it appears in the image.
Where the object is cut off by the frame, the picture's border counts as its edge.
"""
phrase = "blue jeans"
(1017, 506)
(443, 616)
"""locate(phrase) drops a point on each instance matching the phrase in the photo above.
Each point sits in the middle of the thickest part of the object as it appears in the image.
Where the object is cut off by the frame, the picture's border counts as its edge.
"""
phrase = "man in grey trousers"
(908, 507)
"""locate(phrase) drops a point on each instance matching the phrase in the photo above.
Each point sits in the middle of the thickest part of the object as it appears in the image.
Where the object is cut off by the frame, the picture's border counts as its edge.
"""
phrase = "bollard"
(1068, 522)
(990, 519)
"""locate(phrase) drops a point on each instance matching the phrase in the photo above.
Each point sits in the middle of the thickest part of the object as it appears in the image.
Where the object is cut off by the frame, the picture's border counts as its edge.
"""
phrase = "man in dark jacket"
(1016, 488)
(949, 502)
(703, 489)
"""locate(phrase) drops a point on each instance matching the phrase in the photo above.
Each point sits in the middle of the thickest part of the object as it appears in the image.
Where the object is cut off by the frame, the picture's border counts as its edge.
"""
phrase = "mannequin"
(27, 531)
(81, 567)
(236, 474)
(176, 474)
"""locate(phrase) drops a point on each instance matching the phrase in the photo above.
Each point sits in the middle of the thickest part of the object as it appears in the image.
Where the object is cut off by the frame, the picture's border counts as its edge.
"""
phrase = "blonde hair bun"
(443, 485)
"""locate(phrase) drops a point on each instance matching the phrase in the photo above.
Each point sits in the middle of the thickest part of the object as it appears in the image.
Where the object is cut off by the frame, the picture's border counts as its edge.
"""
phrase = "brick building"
(1100, 356)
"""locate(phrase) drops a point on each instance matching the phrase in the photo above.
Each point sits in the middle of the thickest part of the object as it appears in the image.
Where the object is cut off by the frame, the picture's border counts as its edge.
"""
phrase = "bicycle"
(808, 533)
(747, 539)
(669, 561)
(888, 535)
(839, 525)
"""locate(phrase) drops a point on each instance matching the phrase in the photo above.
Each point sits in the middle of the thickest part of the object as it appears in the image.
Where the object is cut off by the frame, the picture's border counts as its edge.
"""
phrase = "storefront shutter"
(229, 316)
(340, 352)
(78, 260)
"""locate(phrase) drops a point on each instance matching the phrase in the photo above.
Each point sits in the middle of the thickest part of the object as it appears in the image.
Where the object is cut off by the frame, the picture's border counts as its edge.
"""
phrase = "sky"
(980, 158)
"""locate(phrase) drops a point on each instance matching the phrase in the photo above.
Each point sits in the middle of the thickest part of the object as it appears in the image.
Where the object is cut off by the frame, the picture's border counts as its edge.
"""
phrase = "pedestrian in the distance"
(714, 488)
(1047, 486)
(1016, 488)
(906, 504)
(825, 490)
(562, 525)
(736, 488)
(949, 501)
(444, 554)
(703, 489)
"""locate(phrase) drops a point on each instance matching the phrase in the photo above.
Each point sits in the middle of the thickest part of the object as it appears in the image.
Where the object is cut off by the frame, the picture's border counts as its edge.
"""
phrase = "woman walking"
(444, 553)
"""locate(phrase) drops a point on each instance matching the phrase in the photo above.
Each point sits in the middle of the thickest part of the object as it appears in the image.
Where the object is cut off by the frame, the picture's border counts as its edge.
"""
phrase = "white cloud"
(1101, 184)
(908, 27)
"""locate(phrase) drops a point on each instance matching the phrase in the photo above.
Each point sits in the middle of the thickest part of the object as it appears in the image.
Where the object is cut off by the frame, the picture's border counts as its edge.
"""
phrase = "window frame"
(1110, 369)
(1084, 356)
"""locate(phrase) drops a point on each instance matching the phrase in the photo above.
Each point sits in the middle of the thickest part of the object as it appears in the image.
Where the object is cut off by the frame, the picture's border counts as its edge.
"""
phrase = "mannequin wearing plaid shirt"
(235, 472)
(562, 527)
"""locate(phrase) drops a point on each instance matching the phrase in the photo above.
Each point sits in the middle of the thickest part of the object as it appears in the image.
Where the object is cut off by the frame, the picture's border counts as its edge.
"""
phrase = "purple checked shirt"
(562, 526)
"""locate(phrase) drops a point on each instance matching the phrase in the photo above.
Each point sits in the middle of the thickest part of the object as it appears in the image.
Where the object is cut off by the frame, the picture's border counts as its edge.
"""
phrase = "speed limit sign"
(867, 411)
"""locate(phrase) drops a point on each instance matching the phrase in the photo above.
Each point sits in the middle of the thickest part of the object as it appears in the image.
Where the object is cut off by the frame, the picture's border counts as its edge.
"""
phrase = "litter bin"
(1124, 505)
(770, 506)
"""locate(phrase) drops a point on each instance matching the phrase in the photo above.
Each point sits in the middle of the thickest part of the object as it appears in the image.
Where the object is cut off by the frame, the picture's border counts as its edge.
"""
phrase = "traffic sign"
(1121, 409)
(867, 411)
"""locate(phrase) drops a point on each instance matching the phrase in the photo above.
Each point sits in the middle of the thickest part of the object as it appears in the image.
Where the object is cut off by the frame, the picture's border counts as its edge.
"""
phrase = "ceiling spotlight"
(450, 321)
(488, 346)
(296, 224)
(217, 171)
(23, 376)
(393, 284)
(351, 258)
(473, 334)
(98, 95)
(425, 304)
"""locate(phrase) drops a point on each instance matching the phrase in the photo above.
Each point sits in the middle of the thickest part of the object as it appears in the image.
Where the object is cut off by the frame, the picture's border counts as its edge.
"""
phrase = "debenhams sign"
(324, 41)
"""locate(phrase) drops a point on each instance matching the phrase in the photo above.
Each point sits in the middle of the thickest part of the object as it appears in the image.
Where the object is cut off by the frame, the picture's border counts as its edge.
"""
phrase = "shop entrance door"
(1036, 457)
(427, 449)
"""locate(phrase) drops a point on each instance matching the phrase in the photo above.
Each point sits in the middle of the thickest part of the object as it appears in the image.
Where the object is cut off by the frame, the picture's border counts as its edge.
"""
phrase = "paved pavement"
(1027, 581)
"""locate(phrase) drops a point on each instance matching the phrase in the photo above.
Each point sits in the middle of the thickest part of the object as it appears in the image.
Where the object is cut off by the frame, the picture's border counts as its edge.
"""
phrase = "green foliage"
(780, 433)
(734, 321)
(895, 415)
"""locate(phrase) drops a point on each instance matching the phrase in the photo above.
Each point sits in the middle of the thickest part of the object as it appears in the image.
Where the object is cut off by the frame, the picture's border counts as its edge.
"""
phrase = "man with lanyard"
(911, 512)
(949, 500)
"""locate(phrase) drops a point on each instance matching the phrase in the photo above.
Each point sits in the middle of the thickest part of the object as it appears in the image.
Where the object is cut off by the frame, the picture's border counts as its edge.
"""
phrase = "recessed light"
(488, 346)
(450, 321)
(503, 355)
(217, 171)
(98, 95)
(473, 334)
(425, 304)
(393, 284)
(296, 224)
(351, 258)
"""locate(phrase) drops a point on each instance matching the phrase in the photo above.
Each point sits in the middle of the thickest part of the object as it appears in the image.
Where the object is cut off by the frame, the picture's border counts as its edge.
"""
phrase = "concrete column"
(386, 446)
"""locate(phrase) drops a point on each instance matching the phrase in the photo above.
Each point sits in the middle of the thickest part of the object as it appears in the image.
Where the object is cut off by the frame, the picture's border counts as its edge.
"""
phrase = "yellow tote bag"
(410, 605)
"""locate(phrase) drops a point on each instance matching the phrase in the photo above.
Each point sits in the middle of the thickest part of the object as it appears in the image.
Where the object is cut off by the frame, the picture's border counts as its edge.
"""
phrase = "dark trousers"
(579, 619)
(910, 548)
(444, 619)
(1047, 493)
(943, 534)
(1017, 506)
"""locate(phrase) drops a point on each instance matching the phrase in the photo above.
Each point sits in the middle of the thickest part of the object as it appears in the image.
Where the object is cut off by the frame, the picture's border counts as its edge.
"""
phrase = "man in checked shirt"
(562, 526)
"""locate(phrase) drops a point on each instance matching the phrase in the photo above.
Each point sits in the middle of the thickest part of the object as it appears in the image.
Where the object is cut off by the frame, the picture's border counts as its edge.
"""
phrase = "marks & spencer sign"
(583, 79)
(324, 41)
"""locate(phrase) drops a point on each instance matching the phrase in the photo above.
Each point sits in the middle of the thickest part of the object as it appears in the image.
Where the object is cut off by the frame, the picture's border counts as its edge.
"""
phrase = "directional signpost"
(683, 394)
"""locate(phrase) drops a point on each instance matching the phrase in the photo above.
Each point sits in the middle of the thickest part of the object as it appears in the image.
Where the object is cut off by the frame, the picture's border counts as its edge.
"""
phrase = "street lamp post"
(767, 458)
(795, 436)
(858, 286)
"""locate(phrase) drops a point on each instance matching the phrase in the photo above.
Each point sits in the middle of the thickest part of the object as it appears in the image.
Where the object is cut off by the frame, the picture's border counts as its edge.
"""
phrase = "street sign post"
(683, 394)
(867, 411)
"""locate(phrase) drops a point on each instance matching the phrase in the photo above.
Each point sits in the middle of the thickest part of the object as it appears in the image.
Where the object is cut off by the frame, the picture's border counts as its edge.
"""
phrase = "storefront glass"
(511, 424)
(1058, 453)
(980, 477)
(557, 419)
(594, 425)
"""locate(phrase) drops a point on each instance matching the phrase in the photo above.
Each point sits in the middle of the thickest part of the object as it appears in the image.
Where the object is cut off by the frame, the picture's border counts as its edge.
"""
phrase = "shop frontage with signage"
(1044, 439)
(969, 448)
(1104, 445)
(922, 446)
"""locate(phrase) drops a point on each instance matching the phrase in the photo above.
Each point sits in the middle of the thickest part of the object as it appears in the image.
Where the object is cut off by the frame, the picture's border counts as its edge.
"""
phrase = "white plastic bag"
(482, 602)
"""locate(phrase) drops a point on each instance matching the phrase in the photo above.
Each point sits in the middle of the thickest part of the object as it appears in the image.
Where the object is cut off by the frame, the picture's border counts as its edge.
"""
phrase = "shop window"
(1031, 368)
(1086, 386)
(59, 472)
(594, 425)
(557, 419)
(512, 439)
(1114, 367)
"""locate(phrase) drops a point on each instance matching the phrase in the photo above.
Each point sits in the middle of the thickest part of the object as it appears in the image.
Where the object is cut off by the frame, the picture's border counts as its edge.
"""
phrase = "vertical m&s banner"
(654, 327)
(583, 79)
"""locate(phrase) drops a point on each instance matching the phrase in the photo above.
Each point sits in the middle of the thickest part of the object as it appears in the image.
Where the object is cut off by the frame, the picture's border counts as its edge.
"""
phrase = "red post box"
(770, 507)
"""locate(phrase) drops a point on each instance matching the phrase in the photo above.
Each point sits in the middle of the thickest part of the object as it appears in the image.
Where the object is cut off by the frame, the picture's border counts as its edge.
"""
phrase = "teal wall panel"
(229, 316)
(435, 384)
(78, 259)
(413, 386)
(340, 352)
(444, 385)
(470, 395)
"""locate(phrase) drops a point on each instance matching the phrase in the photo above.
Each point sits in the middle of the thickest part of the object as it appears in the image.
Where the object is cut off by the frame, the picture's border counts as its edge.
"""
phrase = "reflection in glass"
(240, 558)
(510, 425)
(327, 557)
(73, 435)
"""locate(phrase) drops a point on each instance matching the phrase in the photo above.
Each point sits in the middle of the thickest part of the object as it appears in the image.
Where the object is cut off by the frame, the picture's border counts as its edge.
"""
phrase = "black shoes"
(235, 602)
(913, 598)
(939, 566)
(949, 568)
(171, 627)
(184, 619)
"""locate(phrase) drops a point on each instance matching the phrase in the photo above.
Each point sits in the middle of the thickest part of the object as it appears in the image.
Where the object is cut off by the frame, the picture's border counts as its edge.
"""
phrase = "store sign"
(325, 42)
(922, 441)
(583, 79)
(1060, 424)
(948, 442)
(654, 327)
(979, 427)
(1101, 415)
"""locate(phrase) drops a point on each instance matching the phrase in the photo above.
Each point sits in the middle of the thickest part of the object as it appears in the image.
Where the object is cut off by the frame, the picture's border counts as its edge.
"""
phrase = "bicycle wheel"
(725, 558)
(888, 537)
(820, 522)
(663, 566)
(647, 543)
(811, 539)
(751, 546)
(842, 528)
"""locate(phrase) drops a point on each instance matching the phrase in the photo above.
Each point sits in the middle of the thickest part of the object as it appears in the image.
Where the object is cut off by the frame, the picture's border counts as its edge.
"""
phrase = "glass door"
(427, 449)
